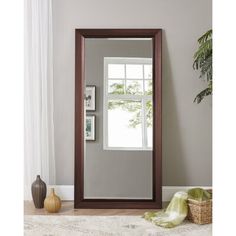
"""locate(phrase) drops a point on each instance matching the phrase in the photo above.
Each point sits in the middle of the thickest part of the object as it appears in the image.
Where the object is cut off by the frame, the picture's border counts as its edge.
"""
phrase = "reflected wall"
(118, 162)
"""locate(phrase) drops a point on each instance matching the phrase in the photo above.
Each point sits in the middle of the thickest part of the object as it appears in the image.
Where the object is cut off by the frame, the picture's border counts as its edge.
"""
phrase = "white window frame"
(142, 98)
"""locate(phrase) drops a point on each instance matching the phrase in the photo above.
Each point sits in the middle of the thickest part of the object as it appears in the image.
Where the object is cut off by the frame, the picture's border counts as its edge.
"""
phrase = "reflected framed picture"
(90, 98)
(90, 128)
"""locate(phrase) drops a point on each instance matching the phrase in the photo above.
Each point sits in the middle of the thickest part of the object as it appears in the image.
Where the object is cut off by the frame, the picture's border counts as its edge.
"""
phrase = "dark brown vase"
(38, 190)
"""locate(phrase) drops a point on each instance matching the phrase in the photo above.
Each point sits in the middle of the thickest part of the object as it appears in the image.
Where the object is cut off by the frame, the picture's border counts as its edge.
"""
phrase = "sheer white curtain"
(38, 127)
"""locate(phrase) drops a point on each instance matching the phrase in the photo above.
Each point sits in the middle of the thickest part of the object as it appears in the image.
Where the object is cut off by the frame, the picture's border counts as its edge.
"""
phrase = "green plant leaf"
(202, 95)
(203, 62)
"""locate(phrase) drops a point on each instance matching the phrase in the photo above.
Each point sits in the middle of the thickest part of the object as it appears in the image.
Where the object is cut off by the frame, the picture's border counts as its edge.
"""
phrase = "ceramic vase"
(38, 190)
(52, 203)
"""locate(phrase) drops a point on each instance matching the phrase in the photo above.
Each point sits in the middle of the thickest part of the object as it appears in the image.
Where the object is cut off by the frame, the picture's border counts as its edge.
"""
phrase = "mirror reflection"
(118, 118)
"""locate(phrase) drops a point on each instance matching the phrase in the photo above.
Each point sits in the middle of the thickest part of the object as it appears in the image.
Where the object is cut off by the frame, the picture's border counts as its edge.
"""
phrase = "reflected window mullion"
(125, 85)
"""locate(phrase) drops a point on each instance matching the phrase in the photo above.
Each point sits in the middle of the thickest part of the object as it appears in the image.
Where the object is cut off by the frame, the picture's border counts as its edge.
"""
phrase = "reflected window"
(128, 110)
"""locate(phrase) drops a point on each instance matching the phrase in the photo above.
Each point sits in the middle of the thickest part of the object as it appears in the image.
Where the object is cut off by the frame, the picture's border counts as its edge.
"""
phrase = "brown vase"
(38, 190)
(52, 203)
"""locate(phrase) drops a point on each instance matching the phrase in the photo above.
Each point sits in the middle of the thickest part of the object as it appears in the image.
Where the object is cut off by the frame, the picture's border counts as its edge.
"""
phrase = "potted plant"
(203, 62)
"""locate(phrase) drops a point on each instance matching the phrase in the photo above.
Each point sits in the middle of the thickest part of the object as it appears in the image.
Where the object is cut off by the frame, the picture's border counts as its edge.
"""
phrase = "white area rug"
(106, 226)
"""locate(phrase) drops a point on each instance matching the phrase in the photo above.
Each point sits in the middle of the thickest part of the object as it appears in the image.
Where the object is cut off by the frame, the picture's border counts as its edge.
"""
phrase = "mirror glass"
(118, 118)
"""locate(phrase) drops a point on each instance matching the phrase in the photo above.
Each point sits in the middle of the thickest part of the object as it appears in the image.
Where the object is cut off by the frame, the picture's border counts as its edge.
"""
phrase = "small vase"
(52, 203)
(38, 190)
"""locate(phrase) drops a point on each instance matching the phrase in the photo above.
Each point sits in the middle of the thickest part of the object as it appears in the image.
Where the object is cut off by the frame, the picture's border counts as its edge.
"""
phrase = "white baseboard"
(66, 192)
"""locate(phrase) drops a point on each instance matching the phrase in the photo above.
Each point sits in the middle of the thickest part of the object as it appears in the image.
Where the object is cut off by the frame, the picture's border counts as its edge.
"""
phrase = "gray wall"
(110, 173)
(187, 138)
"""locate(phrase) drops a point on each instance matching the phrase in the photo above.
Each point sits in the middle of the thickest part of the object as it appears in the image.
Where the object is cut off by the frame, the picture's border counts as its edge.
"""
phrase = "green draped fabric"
(177, 210)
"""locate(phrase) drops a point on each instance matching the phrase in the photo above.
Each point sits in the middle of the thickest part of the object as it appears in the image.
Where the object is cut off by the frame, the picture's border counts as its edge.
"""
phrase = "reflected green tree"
(133, 106)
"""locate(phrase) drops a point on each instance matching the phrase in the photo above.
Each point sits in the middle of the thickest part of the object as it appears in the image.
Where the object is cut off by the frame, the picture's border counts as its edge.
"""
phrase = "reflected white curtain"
(38, 127)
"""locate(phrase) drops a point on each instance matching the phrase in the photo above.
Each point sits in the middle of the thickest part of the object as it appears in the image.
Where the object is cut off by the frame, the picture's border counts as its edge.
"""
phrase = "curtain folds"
(38, 127)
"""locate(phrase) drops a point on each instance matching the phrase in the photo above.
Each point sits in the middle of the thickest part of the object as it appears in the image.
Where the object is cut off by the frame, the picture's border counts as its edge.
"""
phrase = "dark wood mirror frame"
(79, 201)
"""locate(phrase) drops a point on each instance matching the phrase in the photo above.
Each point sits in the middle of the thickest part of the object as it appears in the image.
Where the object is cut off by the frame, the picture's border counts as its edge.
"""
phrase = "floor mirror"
(118, 118)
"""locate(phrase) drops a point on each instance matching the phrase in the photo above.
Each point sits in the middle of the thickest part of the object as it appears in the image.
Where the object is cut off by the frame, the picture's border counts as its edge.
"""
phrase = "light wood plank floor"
(68, 209)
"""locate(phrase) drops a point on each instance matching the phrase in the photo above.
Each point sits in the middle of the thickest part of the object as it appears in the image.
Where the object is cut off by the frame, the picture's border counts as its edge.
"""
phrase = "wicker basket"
(200, 212)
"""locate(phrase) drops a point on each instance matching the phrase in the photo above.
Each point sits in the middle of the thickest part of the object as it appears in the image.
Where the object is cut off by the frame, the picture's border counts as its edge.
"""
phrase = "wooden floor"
(68, 209)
